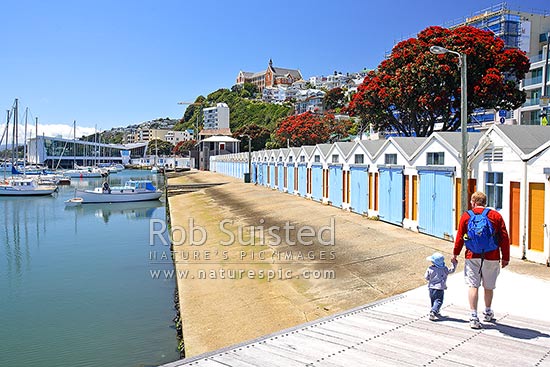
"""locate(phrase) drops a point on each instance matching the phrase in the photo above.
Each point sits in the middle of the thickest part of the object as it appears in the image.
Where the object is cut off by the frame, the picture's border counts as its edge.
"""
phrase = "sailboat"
(83, 172)
(155, 168)
(22, 186)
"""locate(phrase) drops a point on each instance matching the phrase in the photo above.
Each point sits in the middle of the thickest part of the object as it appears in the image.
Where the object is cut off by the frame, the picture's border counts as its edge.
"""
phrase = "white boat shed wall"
(520, 175)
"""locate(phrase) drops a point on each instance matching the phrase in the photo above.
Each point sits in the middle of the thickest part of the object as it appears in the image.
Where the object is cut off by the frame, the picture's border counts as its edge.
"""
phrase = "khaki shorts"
(489, 273)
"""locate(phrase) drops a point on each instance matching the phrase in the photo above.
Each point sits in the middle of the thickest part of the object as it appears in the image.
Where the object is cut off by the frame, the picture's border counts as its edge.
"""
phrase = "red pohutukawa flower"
(413, 88)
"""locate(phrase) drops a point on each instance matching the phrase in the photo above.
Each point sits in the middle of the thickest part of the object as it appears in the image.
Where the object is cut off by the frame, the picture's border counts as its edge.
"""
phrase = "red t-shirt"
(500, 230)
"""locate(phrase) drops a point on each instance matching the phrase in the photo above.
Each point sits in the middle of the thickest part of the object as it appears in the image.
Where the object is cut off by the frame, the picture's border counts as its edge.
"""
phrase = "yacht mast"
(74, 144)
(36, 137)
(25, 143)
(7, 132)
(16, 127)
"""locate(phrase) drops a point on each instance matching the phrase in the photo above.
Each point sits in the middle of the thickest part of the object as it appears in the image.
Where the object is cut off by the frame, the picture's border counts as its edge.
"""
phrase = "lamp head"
(438, 50)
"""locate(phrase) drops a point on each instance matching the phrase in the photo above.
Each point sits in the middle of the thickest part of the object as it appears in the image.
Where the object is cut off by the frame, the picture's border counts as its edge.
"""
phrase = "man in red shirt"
(482, 268)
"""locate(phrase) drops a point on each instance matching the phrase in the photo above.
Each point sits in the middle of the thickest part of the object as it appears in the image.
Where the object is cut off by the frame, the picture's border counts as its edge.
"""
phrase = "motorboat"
(25, 187)
(133, 190)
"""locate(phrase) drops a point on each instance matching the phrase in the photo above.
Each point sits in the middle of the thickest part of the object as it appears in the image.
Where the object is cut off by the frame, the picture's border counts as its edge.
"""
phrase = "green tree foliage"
(159, 147)
(260, 135)
(183, 147)
(414, 89)
(334, 98)
(243, 111)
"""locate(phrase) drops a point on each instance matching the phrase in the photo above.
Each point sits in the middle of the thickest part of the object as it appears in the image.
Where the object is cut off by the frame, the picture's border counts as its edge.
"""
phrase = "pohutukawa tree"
(414, 89)
(310, 129)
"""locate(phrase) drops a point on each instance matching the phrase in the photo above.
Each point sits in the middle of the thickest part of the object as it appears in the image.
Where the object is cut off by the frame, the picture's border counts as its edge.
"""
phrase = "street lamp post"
(249, 154)
(462, 64)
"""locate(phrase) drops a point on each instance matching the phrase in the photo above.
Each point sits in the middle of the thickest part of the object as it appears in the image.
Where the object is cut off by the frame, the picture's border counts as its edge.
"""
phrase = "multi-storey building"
(310, 100)
(271, 77)
(175, 137)
(216, 117)
(141, 135)
(528, 31)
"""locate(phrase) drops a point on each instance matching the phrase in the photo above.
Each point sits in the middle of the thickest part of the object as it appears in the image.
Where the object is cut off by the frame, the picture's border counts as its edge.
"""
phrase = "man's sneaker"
(488, 316)
(474, 323)
(433, 316)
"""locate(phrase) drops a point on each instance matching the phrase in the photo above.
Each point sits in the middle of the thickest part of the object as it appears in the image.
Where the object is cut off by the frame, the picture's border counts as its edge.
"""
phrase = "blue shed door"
(435, 206)
(281, 178)
(302, 180)
(254, 173)
(317, 182)
(290, 178)
(265, 169)
(272, 178)
(335, 186)
(391, 195)
(261, 176)
(359, 192)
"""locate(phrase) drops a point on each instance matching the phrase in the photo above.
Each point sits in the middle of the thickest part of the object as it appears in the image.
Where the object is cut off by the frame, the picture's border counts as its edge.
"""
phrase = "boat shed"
(359, 162)
(338, 174)
(304, 170)
(319, 172)
(281, 169)
(510, 170)
(291, 166)
(373, 147)
(394, 156)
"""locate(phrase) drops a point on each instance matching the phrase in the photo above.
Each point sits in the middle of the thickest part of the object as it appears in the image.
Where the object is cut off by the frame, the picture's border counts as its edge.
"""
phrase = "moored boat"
(74, 202)
(25, 187)
(133, 190)
(86, 173)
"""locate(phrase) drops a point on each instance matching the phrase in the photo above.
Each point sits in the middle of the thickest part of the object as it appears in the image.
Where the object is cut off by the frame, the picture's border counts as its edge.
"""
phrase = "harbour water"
(75, 283)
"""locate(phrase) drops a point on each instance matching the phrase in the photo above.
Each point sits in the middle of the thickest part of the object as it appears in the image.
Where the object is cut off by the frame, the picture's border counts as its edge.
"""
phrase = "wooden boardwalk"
(393, 332)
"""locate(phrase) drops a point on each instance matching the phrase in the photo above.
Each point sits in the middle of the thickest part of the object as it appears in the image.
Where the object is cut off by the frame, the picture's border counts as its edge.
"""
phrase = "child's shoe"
(433, 316)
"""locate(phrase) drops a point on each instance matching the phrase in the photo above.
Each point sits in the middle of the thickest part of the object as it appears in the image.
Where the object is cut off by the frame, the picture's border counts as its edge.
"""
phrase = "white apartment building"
(526, 30)
(174, 137)
(144, 135)
(216, 117)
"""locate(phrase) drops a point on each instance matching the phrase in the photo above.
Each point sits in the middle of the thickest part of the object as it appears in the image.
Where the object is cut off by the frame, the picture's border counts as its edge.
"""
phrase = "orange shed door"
(514, 213)
(536, 216)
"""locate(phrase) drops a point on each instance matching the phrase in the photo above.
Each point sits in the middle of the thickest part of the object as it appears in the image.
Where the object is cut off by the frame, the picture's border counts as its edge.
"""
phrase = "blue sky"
(116, 63)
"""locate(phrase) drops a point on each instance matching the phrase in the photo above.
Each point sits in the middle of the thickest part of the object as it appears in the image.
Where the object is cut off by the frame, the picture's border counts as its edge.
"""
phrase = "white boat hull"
(11, 191)
(83, 174)
(116, 196)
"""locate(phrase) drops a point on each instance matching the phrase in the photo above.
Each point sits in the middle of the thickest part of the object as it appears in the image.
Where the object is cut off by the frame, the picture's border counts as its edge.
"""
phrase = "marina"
(75, 282)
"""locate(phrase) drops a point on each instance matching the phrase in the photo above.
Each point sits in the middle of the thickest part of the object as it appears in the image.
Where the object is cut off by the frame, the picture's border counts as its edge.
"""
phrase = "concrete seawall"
(368, 261)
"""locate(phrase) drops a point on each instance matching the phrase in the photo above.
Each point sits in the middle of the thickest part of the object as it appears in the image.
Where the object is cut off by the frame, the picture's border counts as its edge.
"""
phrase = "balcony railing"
(531, 81)
(531, 102)
(535, 58)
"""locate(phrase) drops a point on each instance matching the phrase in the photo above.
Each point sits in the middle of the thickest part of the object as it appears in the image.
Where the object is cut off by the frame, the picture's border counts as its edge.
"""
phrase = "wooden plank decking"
(393, 332)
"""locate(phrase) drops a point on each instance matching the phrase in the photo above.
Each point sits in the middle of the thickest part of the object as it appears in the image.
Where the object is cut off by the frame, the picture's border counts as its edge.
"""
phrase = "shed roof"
(345, 147)
(220, 138)
(526, 138)
(454, 139)
(408, 144)
(372, 146)
(324, 148)
(308, 149)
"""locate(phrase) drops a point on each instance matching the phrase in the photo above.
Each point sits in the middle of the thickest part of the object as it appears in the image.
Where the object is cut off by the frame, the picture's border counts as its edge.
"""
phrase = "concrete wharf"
(374, 313)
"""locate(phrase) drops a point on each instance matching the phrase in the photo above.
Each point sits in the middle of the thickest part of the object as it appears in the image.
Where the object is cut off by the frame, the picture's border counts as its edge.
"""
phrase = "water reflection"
(141, 210)
(24, 222)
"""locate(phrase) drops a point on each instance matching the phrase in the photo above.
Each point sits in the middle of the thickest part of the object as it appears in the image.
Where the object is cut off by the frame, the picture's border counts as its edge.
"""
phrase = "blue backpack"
(481, 234)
